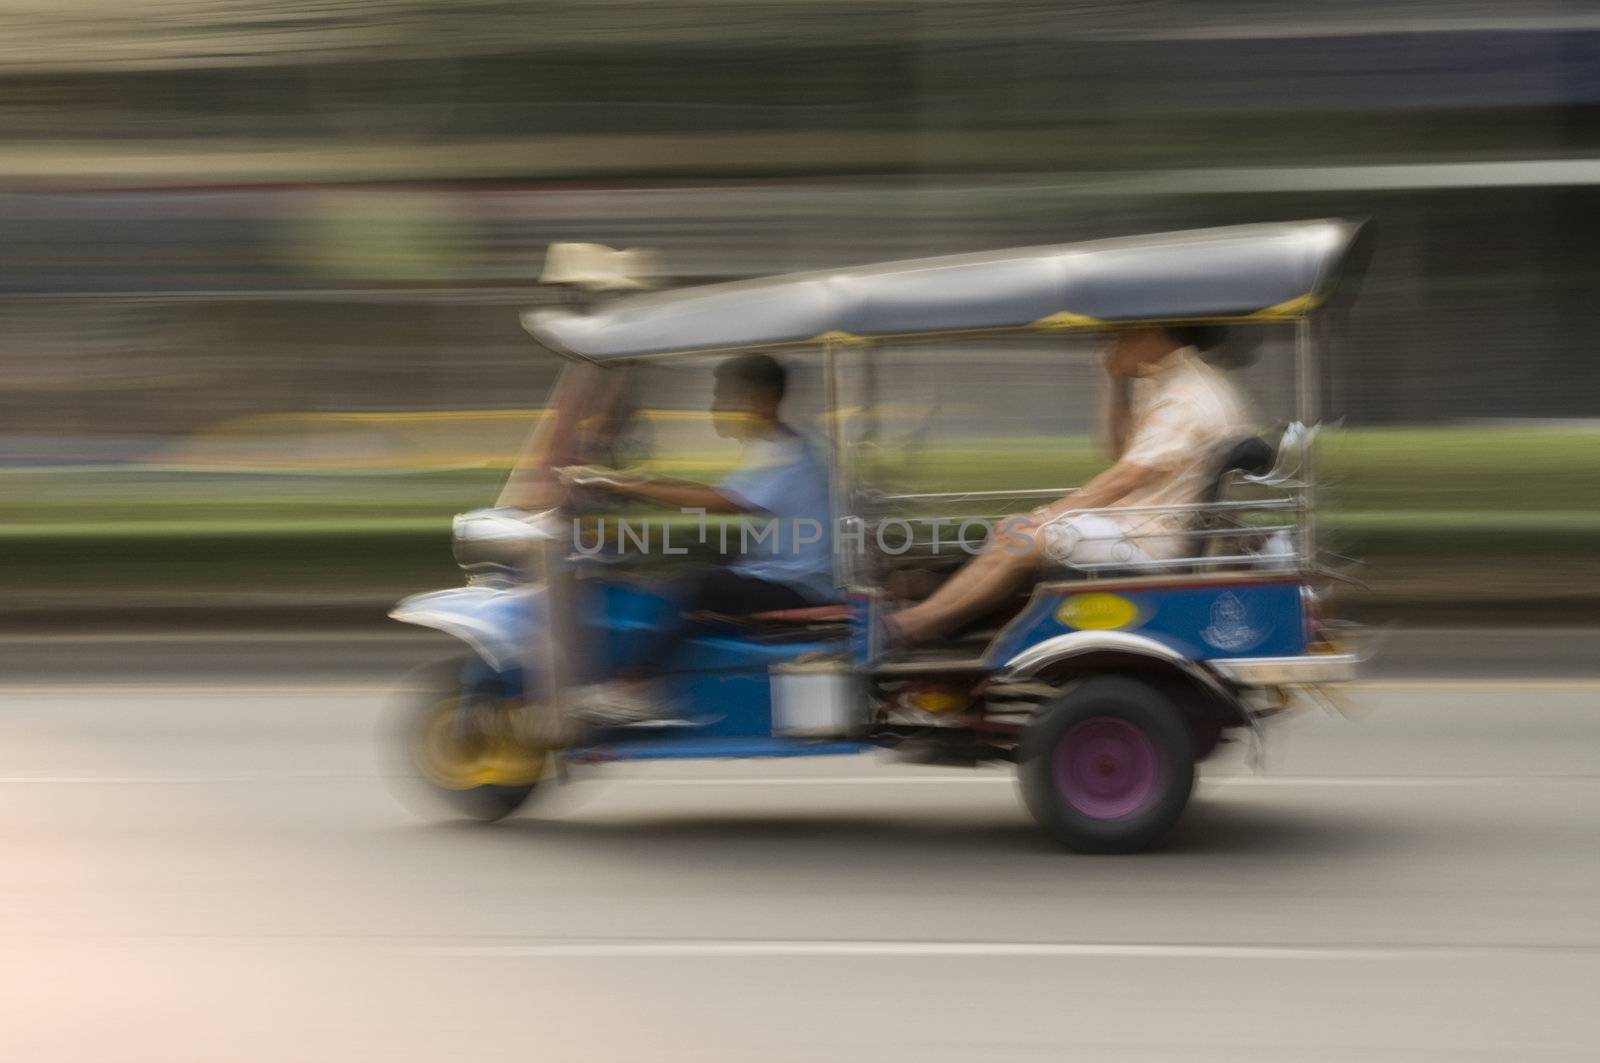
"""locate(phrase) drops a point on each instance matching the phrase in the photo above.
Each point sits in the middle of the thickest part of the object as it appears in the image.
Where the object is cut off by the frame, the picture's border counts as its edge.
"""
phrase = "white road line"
(973, 949)
(1380, 781)
(197, 689)
(1008, 778)
(411, 640)
(182, 779)
(1469, 685)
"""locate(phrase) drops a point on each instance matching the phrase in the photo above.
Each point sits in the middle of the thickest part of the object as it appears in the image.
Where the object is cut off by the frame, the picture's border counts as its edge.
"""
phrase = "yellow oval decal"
(1097, 612)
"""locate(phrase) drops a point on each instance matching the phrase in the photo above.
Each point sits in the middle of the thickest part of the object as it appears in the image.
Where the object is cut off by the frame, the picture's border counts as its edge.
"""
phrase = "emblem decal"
(1230, 627)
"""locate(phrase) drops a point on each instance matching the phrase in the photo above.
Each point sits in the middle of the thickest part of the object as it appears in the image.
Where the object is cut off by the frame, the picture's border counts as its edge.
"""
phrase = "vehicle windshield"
(579, 419)
(649, 417)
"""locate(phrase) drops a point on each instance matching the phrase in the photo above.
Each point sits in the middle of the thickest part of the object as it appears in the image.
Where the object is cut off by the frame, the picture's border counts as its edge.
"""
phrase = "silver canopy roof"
(1271, 272)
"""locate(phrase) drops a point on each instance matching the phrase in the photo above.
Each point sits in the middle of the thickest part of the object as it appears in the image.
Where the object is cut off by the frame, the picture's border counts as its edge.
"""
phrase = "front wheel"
(1108, 766)
(459, 742)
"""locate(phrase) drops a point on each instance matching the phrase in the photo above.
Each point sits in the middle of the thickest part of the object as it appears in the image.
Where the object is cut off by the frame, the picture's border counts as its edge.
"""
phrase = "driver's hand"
(592, 476)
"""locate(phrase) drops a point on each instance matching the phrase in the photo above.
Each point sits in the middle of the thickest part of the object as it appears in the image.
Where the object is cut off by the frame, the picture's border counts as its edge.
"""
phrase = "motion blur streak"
(261, 270)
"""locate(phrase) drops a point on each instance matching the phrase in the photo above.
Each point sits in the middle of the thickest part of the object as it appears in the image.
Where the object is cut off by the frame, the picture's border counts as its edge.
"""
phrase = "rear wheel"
(461, 746)
(1108, 766)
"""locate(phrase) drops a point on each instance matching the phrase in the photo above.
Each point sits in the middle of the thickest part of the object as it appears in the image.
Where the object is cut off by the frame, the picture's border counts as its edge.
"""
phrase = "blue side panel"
(701, 748)
(1202, 621)
(861, 621)
(479, 677)
(722, 681)
(621, 617)
(717, 678)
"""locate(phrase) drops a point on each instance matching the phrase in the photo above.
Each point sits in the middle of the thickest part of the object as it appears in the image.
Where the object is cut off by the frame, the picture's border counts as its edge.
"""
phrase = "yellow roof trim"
(839, 337)
(1289, 309)
(1067, 319)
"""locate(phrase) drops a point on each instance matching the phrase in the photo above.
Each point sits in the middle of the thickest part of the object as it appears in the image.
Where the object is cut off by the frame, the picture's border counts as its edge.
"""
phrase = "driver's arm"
(671, 493)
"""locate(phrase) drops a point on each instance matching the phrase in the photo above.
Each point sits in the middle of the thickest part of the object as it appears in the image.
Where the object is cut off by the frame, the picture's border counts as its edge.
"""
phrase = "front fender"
(498, 624)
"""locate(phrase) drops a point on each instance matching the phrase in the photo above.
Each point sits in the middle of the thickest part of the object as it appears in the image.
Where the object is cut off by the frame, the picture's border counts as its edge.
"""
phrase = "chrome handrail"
(1224, 510)
(961, 496)
(1181, 533)
(1252, 560)
(1231, 505)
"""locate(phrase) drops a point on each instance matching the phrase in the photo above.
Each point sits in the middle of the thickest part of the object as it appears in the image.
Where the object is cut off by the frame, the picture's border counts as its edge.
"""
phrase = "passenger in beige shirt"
(1168, 415)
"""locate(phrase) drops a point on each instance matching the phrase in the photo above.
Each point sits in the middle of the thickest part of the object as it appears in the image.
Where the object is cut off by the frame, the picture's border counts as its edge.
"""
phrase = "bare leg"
(1006, 564)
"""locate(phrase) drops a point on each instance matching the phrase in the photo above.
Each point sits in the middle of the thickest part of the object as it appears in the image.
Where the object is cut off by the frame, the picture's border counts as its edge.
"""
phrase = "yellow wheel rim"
(458, 758)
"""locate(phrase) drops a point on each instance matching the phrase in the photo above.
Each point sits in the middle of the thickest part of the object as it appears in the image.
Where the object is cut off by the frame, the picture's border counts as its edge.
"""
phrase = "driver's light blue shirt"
(789, 537)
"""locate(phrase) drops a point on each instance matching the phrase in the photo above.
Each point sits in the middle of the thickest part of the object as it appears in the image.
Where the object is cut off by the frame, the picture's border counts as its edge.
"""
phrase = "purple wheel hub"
(1107, 768)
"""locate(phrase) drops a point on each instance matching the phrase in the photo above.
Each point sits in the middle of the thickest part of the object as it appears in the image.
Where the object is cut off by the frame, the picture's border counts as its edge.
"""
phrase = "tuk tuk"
(1105, 684)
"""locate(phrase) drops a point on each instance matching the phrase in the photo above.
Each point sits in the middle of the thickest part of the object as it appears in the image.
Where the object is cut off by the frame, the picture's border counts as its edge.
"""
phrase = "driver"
(781, 478)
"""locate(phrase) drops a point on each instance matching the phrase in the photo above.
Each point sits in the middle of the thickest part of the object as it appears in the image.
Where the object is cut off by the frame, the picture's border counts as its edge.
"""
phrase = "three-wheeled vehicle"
(1104, 684)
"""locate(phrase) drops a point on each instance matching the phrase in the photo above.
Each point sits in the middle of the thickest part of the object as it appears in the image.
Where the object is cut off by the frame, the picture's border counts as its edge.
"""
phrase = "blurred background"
(261, 262)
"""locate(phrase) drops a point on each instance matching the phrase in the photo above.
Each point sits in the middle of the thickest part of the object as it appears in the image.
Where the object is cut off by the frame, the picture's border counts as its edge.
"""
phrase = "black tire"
(443, 738)
(1108, 766)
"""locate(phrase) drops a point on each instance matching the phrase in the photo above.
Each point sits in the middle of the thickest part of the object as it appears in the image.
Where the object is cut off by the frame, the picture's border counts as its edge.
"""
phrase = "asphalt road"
(215, 870)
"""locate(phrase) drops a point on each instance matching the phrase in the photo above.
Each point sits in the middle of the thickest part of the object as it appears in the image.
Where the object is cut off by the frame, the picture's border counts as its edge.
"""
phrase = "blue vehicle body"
(718, 682)
(1105, 689)
(1199, 621)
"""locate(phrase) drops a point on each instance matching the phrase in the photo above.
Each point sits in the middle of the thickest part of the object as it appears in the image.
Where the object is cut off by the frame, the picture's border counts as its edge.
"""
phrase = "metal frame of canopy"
(1265, 274)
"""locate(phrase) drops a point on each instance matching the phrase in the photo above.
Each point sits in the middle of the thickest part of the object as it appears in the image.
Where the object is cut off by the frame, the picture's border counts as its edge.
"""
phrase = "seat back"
(1251, 455)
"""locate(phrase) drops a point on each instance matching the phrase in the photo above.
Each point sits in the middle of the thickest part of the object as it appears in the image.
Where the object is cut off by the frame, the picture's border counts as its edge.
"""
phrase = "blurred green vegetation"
(1530, 476)
(1508, 516)
(1513, 470)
